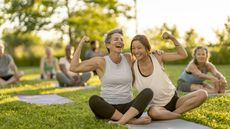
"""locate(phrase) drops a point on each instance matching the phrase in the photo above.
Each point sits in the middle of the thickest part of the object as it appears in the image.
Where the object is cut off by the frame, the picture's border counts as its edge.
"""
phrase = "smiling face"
(201, 56)
(138, 50)
(140, 46)
(116, 43)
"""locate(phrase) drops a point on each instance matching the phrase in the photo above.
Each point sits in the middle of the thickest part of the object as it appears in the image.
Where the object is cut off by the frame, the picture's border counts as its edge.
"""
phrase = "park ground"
(16, 114)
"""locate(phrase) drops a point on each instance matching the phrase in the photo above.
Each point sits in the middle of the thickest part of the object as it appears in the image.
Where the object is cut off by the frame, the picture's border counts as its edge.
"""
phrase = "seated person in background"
(192, 78)
(48, 65)
(93, 50)
(68, 78)
(8, 70)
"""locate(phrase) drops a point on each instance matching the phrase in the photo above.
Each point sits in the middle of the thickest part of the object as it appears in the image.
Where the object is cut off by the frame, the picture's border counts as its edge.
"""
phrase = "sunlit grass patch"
(214, 112)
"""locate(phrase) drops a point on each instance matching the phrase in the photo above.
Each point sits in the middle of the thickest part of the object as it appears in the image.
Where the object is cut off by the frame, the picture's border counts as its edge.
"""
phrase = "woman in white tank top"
(150, 74)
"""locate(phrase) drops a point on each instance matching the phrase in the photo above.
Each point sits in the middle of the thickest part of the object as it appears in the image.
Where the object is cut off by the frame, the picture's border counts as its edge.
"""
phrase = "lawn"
(215, 112)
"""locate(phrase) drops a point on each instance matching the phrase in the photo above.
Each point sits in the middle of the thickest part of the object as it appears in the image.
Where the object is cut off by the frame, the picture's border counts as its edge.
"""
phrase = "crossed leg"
(128, 117)
(161, 113)
(183, 104)
(190, 101)
(123, 113)
(13, 79)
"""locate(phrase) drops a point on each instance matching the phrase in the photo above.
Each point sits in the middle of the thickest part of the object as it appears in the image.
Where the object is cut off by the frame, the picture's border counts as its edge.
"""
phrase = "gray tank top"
(5, 60)
(189, 77)
(117, 82)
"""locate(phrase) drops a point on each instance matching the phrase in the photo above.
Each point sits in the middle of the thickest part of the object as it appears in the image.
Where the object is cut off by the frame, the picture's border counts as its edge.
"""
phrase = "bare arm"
(42, 66)
(64, 70)
(87, 65)
(56, 65)
(180, 51)
(130, 58)
(195, 71)
(13, 67)
(215, 72)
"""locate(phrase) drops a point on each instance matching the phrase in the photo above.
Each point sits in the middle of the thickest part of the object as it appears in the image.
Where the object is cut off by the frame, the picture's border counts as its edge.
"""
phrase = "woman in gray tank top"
(114, 71)
(194, 75)
(8, 70)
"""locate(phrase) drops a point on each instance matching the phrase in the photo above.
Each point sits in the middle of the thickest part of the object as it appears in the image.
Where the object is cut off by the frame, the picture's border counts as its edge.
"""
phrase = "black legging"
(104, 110)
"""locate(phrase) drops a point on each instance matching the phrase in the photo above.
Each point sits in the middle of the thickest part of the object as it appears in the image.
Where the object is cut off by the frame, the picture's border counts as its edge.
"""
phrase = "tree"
(224, 35)
(155, 36)
(28, 15)
(90, 17)
(192, 39)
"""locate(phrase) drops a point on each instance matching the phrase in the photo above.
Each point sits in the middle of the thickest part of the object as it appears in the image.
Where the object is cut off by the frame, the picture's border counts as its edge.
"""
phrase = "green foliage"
(192, 39)
(224, 35)
(155, 36)
(88, 22)
(91, 18)
(28, 15)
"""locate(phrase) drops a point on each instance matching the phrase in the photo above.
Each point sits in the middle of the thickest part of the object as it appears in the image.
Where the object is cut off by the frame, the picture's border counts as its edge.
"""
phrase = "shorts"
(171, 106)
(6, 78)
(183, 85)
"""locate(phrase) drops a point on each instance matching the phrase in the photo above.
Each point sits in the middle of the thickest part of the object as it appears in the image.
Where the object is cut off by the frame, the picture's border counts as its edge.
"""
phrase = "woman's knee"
(202, 94)
(153, 112)
(148, 93)
(93, 100)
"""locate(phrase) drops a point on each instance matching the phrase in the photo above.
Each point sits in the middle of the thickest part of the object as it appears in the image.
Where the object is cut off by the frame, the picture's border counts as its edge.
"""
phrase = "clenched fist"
(166, 35)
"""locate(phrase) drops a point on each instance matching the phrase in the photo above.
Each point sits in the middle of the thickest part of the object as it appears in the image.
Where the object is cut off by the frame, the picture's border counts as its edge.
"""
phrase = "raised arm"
(87, 65)
(180, 51)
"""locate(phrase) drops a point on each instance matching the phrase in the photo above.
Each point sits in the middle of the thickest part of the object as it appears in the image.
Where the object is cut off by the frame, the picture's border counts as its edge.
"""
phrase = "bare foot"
(19, 74)
(222, 89)
(141, 121)
(113, 122)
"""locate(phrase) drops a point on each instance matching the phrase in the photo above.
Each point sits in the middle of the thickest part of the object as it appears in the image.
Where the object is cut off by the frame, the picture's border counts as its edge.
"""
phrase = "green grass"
(16, 114)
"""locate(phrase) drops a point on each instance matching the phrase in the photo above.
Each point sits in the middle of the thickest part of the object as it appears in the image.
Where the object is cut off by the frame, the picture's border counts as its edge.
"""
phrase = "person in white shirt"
(149, 73)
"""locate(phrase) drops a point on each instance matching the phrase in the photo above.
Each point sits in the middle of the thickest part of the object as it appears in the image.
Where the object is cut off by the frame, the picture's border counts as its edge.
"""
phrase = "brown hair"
(195, 51)
(143, 40)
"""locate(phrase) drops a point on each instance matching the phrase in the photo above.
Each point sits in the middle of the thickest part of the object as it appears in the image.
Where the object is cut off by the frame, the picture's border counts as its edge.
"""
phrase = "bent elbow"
(185, 55)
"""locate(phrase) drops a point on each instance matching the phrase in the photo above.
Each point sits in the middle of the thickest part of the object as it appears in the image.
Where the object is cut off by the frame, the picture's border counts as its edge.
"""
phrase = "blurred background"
(28, 26)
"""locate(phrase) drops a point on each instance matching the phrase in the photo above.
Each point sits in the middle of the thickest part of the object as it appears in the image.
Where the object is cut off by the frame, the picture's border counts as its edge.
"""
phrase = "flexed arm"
(84, 66)
(180, 51)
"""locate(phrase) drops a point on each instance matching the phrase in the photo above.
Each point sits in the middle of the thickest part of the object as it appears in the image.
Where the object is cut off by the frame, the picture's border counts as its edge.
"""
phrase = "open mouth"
(119, 46)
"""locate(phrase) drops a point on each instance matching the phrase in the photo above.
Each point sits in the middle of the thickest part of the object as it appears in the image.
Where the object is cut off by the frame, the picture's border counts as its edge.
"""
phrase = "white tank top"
(158, 81)
(117, 82)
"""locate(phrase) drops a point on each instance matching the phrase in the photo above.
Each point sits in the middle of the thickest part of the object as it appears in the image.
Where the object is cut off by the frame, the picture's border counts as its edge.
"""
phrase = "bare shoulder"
(191, 67)
(98, 60)
(158, 57)
(129, 58)
(210, 66)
